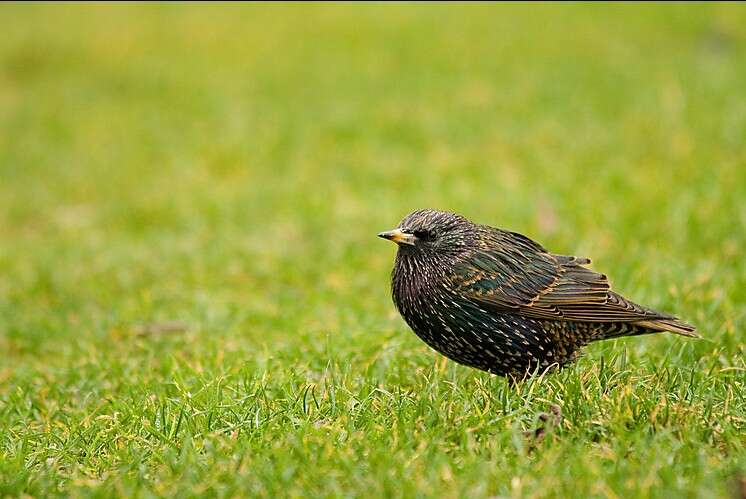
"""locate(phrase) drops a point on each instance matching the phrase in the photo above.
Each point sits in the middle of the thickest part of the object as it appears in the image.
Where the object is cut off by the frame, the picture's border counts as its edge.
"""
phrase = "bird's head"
(433, 233)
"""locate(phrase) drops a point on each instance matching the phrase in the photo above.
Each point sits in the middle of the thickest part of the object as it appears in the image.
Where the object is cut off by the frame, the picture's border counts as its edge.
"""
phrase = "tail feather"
(670, 325)
(610, 330)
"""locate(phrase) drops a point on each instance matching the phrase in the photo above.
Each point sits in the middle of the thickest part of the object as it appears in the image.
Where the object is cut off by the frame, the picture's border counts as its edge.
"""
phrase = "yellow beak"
(398, 237)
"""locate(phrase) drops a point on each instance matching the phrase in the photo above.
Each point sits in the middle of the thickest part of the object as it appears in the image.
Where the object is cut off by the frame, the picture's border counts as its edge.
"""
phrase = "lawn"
(193, 301)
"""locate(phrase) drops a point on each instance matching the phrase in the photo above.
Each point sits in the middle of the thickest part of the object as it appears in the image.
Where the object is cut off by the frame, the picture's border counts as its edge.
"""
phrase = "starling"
(496, 300)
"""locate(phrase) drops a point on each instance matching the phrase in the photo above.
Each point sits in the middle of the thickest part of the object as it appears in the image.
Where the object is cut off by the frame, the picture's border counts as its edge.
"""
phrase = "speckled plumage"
(498, 301)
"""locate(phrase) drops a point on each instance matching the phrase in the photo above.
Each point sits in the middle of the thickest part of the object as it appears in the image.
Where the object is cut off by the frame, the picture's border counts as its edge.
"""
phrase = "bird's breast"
(413, 284)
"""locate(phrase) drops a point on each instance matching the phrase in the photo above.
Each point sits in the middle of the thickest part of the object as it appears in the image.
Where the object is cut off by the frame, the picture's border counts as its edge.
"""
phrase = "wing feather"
(511, 273)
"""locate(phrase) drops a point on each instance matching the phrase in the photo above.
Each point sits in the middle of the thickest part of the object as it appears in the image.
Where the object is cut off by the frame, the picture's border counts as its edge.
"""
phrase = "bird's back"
(510, 273)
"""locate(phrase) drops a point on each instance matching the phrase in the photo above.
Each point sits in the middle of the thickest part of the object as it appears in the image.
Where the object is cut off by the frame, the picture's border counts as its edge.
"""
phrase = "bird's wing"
(510, 273)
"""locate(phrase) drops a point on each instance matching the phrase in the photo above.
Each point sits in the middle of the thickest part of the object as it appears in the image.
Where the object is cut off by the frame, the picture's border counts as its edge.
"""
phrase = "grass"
(193, 301)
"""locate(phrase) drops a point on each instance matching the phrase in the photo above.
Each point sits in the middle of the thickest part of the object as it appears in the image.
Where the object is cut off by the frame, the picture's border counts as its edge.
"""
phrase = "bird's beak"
(398, 237)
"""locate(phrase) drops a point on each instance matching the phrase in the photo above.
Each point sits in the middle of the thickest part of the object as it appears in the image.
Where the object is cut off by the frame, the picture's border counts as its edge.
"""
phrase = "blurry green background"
(191, 193)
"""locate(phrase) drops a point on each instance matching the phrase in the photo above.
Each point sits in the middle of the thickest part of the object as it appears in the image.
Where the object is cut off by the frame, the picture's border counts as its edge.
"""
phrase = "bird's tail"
(650, 326)
(669, 325)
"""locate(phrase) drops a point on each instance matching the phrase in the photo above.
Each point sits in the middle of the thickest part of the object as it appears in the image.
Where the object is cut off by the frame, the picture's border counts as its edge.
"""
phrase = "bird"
(497, 301)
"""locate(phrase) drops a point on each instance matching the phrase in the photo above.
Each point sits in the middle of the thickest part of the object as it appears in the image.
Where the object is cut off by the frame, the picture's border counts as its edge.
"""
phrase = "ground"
(193, 300)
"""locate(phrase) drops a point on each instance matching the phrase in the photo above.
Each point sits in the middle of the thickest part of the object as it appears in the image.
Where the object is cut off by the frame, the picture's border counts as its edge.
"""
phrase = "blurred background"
(225, 168)
(193, 299)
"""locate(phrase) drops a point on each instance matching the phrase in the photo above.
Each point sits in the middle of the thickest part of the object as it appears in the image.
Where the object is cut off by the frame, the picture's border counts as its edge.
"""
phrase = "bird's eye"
(424, 235)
